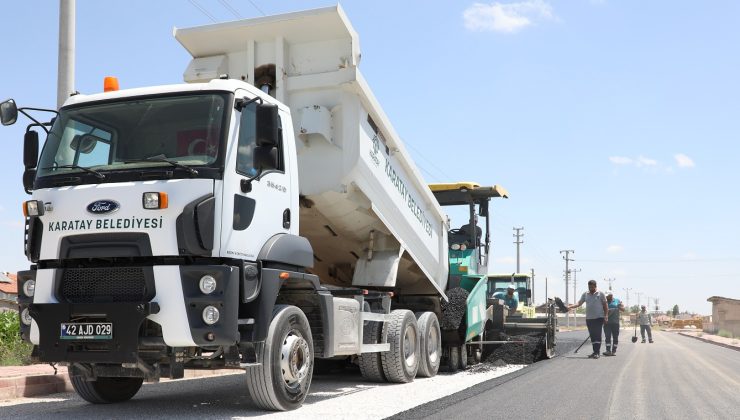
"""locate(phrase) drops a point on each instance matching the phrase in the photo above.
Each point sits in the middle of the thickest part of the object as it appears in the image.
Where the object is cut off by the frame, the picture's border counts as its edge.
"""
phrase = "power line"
(202, 10)
(663, 261)
(233, 11)
(256, 7)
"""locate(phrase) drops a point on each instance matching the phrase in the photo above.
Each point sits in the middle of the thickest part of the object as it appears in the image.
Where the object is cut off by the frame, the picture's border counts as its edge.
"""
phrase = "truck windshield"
(133, 135)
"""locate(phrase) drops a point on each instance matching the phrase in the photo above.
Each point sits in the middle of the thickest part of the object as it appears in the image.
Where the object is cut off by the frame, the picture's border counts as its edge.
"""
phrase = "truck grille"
(104, 285)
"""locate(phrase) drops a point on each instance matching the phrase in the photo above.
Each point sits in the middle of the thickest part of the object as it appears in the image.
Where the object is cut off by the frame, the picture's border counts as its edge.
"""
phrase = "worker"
(611, 328)
(646, 324)
(596, 315)
(509, 297)
(467, 230)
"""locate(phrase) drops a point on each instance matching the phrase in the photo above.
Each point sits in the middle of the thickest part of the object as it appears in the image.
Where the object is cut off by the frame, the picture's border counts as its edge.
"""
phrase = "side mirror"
(267, 125)
(28, 176)
(30, 149)
(8, 112)
(84, 143)
(529, 293)
(265, 158)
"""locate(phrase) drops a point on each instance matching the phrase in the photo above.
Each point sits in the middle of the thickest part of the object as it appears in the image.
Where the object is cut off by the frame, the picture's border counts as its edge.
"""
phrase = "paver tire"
(453, 359)
(401, 362)
(463, 356)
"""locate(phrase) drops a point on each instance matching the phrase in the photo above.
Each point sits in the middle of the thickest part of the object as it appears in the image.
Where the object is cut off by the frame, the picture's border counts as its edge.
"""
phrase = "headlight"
(33, 208)
(207, 284)
(26, 317)
(29, 288)
(155, 200)
(463, 247)
(455, 247)
(210, 315)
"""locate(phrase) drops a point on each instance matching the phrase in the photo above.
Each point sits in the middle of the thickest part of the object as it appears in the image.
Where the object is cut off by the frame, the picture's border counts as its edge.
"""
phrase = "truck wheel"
(401, 362)
(463, 356)
(453, 359)
(430, 344)
(282, 379)
(106, 390)
(371, 366)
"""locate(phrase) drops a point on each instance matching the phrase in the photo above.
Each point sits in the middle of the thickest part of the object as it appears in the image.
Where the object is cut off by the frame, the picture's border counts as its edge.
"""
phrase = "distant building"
(8, 292)
(725, 315)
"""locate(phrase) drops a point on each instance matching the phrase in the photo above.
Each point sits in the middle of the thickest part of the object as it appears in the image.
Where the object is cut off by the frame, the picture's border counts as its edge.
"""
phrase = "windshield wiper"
(73, 166)
(162, 158)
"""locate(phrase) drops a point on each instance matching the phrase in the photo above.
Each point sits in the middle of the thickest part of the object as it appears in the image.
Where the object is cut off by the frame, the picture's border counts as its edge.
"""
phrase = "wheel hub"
(409, 346)
(295, 358)
(433, 345)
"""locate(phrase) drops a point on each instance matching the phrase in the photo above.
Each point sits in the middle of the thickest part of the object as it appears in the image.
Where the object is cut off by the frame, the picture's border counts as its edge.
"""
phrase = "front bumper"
(177, 307)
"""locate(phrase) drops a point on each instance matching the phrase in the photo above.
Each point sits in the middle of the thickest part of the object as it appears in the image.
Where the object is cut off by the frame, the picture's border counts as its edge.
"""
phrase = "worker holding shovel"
(646, 324)
(596, 315)
(611, 328)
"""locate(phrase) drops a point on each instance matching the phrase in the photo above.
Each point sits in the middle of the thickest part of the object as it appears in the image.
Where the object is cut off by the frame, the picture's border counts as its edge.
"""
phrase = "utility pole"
(610, 283)
(575, 293)
(627, 292)
(567, 273)
(638, 299)
(518, 242)
(533, 287)
(66, 59)
(546, 295)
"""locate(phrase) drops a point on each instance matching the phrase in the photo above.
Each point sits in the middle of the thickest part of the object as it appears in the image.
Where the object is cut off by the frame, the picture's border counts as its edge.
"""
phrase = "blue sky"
(613, 124)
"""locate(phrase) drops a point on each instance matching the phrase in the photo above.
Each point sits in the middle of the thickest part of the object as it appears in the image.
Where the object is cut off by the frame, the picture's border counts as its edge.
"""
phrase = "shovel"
(634, 338)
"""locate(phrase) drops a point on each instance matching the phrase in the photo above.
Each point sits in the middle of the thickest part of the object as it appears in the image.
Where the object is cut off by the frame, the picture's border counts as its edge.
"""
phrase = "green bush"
(13, 350)
(725, 334)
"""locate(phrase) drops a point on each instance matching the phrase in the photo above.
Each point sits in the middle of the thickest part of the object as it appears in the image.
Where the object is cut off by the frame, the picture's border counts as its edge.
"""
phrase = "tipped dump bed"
(364, 206)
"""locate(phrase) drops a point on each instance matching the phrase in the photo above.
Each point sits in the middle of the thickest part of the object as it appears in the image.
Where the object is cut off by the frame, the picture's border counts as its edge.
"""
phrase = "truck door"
(254, 211)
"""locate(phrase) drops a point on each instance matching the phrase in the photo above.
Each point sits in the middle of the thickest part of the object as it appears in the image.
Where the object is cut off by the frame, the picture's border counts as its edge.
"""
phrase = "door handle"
(286, 219)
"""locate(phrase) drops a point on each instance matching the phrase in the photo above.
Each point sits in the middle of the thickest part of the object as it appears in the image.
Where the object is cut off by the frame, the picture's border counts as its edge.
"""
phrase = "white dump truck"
(261, 216)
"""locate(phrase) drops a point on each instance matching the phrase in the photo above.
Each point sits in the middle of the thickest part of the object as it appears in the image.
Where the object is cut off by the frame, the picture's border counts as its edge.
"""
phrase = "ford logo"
(103, 206)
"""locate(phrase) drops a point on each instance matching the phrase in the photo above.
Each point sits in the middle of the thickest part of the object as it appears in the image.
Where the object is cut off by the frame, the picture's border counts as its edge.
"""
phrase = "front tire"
(283, 378)
(106, 390)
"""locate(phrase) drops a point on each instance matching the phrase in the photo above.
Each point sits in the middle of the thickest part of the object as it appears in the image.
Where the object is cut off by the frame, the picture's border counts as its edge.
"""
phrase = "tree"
(675, 310)
(635, 309)
(669, 312)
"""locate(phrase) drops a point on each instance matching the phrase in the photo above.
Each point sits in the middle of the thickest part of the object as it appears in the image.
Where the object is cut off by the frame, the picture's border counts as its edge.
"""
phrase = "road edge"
(716, 343)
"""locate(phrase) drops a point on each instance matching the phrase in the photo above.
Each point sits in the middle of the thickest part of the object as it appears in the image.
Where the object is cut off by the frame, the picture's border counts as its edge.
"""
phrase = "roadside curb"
(728, 346)
(35, 385)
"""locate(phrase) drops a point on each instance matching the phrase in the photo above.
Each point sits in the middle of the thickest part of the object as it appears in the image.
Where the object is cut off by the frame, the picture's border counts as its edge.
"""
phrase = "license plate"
(87, 331)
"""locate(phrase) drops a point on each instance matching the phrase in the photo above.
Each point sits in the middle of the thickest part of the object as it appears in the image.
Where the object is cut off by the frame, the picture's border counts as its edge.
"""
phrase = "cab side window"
(247, 143)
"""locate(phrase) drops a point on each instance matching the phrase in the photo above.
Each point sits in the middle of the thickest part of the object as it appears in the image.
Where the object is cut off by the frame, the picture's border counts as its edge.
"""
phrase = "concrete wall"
(726, 315)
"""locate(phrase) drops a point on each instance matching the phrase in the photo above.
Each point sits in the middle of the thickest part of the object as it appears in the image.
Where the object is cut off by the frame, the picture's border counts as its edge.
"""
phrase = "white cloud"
(643, 161)
(684, 161)
(620, 160)
(640, 161)
(614, 249)
(506, 17)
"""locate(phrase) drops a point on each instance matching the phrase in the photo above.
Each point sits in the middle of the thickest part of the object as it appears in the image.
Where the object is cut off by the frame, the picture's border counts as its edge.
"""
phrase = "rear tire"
(401, 362)
(106, 390)
(371, 365)
(283, 378)
(430, 344)
(453, 359)
(463, 356)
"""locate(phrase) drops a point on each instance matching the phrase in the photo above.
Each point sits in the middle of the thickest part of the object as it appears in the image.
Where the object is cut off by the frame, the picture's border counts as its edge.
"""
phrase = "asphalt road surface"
(676, 377)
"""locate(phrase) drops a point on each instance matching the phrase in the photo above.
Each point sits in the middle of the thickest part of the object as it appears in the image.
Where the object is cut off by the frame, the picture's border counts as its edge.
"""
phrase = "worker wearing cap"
(596, 315)
(611, 328)
(646, 324)
(509, 297)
